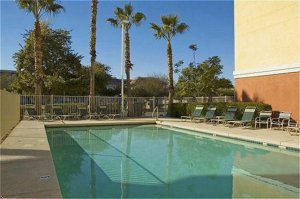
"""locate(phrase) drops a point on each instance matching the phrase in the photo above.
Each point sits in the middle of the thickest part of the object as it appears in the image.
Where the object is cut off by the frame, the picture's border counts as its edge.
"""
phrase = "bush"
(178, 110)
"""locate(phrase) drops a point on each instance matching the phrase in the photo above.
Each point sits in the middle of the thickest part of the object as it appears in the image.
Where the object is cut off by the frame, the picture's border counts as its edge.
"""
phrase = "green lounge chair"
(263, 118)
(196, 114)
(282, 121)
(82, 113)
(210, 113)
(58, 114)
(229, 116)
(246, 119)
(31, 114)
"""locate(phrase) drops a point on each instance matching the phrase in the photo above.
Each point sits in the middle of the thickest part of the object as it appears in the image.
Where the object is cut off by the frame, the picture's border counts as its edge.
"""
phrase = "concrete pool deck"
(27, 169)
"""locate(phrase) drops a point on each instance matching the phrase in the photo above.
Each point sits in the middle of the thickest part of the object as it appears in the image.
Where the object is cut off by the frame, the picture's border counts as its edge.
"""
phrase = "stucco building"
(267, 53)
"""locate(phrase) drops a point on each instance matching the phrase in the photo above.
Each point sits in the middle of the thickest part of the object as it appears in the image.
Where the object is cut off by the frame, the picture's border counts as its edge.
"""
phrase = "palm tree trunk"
(170, 73)
(38, 64)
(37, 57)
(93, 47)
(127, 62)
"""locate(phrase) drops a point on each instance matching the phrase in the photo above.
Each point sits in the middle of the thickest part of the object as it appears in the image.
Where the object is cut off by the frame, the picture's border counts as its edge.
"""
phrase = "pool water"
(149, 161)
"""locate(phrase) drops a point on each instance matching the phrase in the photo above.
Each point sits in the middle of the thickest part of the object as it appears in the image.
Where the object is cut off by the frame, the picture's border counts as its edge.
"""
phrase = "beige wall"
(266, 33)
(10, 111)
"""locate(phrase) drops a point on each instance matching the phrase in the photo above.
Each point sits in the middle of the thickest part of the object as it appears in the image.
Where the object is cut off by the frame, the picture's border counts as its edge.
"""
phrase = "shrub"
(178, 110)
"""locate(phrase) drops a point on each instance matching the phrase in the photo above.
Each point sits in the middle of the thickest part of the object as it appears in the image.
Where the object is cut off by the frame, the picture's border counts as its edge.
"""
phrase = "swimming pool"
(150, 161)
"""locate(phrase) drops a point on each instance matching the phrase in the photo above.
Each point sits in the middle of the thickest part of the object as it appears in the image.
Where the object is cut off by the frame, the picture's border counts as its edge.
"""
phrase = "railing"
(155, 109)
(134, 106)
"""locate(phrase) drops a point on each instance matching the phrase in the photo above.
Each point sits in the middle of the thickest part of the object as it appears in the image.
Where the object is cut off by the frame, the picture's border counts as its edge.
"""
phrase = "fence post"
(51, 103)
(225, 99)
(153, 104)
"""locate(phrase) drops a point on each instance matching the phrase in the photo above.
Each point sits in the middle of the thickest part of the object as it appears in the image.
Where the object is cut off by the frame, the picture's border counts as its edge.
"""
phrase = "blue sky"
(210, 22)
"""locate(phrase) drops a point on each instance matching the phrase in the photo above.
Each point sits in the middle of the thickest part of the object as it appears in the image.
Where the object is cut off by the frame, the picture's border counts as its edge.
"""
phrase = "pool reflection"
(148, 161)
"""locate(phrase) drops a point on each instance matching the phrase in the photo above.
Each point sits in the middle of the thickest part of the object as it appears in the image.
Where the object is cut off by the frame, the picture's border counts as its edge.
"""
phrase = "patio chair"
(82, 113)
(282, 120)
(210, 113)
(31, 114)
(263, 118)
(293, 128)
(58, 114)
(229, 116)
(102, 112)
(196, 114)
(246, 119)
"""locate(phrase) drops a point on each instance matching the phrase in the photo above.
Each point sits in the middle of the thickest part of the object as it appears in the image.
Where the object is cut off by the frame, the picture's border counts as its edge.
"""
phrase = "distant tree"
(93, 46)
(168, 30)
(194, 48)
(132, 18)
(154, 85)
(203, 79)
(6, 79)
(38, 8)
(60, 64)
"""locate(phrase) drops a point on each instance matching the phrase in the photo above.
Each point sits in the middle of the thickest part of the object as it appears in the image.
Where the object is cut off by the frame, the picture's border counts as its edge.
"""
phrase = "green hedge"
(178, 110)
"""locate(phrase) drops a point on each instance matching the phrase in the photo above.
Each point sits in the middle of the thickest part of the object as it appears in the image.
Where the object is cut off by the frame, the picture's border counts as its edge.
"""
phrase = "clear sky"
(210, 22)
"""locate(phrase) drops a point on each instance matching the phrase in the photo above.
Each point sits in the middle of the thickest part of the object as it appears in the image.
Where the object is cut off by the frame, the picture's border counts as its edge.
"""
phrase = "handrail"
(155, 109)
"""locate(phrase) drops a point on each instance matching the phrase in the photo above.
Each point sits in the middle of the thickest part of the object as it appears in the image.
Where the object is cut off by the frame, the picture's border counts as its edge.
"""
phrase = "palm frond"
(182, 27)
(169, 20)
(27, 5)
(113, 22)
(137, 18)
(119, 13)
(158, 33)
(193, 47)
(128, 9)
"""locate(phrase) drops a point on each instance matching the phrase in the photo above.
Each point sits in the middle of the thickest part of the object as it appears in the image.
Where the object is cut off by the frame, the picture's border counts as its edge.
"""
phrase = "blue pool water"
(149, 161)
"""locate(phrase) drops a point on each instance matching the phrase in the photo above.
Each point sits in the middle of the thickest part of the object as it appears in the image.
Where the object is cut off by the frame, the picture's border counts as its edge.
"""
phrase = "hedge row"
(179, 109)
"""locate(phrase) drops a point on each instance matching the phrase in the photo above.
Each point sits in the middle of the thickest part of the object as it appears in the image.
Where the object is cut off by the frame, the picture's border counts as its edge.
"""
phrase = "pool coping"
(32, 135)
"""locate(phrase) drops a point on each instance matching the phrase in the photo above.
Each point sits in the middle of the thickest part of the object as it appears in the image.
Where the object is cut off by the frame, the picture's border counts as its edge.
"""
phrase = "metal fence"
(134, 106)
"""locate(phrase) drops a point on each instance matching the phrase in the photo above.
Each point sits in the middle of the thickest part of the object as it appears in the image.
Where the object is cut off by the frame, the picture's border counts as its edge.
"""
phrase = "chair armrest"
(257, 119)
(220, 117)
(274, 119)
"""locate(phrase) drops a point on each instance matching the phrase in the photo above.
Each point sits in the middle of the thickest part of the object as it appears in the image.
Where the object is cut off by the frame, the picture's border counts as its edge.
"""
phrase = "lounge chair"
(31, 114)
(229, 116)
(282, 120)
(102, 112)
(196, 114)
(263, 118)
(58, 114)
(82, 113)
(246, 119)
(293, 129)
(210, 113)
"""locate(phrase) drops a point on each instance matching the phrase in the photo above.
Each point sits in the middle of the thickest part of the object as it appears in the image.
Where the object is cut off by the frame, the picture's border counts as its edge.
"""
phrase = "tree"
(132, 18)
(154, 85)
(93, 46)
(61, 66)
(170, 28)
(194, 48)
(203, 79)
(38, 8)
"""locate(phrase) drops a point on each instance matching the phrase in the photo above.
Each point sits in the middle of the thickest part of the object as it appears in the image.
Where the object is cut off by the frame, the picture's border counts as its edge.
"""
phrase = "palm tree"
(170, 28)
(131, 18)
(194, 48)
(93, 46)
(38, 8)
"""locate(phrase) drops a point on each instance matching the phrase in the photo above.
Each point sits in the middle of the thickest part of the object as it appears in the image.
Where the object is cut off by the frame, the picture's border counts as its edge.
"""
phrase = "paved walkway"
(25, 159)
(27, 169)
(274, 137)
